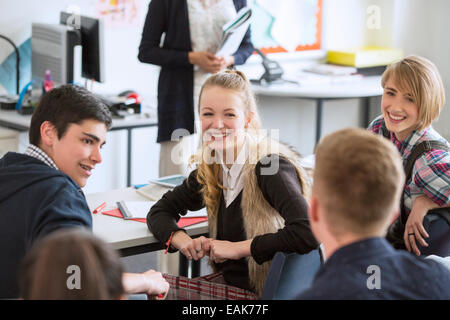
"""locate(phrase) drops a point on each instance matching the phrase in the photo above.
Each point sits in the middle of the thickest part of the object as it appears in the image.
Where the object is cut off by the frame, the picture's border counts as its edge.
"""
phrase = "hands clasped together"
(153, 283)
(209, 62)
(218, 250)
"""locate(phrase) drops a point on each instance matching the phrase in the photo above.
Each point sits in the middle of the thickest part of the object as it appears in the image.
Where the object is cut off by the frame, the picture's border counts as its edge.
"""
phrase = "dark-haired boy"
(40, 191)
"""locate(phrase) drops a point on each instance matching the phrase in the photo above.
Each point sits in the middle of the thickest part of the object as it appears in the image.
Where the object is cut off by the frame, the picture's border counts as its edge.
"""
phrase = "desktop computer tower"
(52, 48)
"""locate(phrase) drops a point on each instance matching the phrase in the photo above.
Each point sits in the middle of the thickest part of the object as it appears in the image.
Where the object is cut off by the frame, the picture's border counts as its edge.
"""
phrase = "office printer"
(124, 104)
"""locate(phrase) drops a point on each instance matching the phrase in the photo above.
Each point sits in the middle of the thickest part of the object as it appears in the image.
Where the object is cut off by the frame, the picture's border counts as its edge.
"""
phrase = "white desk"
(13, 120)
(128, 236)
(133, 237)
(363, 89)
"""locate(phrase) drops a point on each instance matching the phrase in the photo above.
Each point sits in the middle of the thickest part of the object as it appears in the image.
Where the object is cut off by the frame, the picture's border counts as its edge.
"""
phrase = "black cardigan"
(282, 191)
(176, 78)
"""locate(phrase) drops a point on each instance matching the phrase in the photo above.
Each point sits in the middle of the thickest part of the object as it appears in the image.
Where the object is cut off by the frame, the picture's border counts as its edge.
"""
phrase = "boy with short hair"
(40, 191)
(358, 180)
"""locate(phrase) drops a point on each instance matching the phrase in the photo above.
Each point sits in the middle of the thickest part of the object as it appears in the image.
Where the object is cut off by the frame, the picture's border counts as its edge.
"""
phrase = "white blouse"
(233, 179)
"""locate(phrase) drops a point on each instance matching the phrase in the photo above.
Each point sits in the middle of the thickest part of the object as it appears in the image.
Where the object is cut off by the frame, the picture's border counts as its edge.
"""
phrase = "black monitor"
(91, 33)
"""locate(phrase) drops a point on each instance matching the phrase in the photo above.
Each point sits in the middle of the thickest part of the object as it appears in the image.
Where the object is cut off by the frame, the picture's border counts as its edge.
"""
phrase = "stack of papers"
(304, 78)
(331, 69)
(233, 32)
(158, 187)
(153, 192)
(170, 181)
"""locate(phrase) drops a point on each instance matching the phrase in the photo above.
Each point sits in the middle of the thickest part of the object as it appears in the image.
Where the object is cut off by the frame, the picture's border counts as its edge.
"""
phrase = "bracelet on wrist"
(168, 243)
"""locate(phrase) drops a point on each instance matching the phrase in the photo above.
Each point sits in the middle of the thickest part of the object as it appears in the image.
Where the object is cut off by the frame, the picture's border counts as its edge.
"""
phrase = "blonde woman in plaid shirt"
(412, 99)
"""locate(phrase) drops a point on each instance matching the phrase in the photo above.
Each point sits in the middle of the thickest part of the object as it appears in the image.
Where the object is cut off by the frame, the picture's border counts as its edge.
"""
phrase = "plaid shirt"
(39, 154)
(431, 172)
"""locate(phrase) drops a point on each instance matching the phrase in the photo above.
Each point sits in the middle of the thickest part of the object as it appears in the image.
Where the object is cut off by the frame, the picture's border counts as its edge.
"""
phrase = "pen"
(99, 208)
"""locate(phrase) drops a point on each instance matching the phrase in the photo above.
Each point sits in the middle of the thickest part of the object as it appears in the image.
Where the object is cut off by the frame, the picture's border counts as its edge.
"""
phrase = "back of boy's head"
(420, 77)
(50, 270)
(358, 179)
(65, 105)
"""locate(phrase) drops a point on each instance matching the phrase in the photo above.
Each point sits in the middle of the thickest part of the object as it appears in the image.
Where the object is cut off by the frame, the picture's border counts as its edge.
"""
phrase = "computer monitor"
(52, 48)
(91, 32)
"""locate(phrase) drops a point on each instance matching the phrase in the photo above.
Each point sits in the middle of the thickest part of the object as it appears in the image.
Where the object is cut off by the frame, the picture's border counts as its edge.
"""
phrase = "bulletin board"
(287, 25)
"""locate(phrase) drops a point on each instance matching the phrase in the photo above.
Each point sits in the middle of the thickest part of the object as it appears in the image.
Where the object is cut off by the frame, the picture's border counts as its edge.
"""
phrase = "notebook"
(140, 209)
(153, 192)
(183, 222)
(234, 31)
(135, 209)
(169, 181)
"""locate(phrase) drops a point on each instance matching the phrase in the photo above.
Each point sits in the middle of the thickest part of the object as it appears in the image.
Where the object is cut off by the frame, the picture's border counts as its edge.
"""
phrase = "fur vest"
(258, 215)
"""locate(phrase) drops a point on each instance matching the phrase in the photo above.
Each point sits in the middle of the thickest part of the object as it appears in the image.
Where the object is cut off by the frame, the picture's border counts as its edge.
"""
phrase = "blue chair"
(290, 274)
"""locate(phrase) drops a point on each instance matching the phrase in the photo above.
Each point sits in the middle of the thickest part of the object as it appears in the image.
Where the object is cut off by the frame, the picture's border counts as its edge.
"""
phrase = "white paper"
(311, 79)
(332, 70)
(193, 214)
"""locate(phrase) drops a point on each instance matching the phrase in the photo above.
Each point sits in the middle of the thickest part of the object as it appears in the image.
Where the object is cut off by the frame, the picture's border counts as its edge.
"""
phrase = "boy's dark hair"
(65, 105)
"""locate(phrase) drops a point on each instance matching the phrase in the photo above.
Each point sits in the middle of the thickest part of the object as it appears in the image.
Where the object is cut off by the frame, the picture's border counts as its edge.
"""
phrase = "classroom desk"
(133, 237)
(363, 89)
(13, 120)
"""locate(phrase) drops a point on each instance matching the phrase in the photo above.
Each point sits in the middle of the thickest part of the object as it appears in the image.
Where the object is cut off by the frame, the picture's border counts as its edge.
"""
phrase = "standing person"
(254, 191)
(192, 32)
(412, 99)
(358, 179)
(40, 191)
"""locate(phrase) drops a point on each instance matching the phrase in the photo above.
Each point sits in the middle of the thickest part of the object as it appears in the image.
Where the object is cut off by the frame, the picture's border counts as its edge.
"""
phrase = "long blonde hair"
(207, 172)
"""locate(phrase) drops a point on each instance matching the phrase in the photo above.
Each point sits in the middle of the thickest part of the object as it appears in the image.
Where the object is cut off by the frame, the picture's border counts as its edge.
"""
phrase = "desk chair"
(290, 274)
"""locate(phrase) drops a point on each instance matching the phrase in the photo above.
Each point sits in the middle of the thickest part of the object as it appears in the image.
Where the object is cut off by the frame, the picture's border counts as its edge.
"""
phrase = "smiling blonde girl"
(412, 99)
(254, 191)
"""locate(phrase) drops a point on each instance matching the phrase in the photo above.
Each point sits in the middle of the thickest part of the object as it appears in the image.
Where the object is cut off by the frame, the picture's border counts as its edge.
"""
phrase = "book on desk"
(157, 187)
(137, 210)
